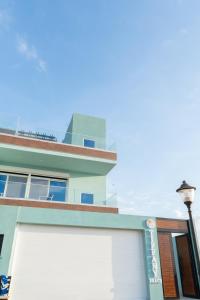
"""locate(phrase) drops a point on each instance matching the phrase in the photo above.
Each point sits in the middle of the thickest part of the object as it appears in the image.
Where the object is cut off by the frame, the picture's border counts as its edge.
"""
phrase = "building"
(60, 238)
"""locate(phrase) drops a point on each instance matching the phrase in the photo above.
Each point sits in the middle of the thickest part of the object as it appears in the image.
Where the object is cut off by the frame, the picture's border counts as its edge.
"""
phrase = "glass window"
(3, 179)
(39, 189)
(87, 198)
(57, 190)
(16, 186)
(89, 143)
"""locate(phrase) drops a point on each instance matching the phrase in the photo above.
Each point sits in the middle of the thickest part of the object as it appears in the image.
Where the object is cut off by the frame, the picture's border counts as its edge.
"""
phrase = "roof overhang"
(37, 154)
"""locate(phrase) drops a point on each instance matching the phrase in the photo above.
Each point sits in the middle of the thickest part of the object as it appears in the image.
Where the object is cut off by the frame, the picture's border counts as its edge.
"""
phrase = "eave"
(37, 154)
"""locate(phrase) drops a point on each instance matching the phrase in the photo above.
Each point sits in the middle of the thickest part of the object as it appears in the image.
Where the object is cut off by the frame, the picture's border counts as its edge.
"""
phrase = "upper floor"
(84, 147)
(38, 166)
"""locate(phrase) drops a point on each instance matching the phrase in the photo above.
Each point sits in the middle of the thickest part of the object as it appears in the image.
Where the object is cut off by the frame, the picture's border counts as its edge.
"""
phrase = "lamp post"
(187, 192)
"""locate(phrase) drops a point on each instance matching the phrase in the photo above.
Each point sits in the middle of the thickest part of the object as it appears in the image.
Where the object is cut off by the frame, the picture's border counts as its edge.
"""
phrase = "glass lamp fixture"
(186, 192)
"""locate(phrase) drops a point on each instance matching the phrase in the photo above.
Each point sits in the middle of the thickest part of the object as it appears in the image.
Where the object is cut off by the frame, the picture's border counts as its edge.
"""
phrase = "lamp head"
(186, 192)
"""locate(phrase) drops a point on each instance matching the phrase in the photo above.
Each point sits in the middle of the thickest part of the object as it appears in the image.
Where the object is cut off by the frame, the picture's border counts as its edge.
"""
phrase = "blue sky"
(136, 63)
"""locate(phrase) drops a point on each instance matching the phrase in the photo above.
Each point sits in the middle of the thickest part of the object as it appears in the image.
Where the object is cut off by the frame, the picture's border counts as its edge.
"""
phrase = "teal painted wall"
(8, 219)
(80, 127)
(89, 127)
(10, 216)
(82, 183)
(177, 266)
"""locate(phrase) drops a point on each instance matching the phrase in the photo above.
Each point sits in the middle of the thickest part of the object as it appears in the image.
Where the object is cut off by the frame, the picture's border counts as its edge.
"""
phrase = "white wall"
(54, 262)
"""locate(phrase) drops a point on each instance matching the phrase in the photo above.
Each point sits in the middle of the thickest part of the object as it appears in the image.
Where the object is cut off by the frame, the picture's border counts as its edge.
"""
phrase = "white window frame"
(28, 184)
(48, 186)
(7, 179)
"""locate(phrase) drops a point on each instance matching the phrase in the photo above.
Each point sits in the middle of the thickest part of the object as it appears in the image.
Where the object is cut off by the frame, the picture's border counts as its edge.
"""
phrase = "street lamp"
(187, 192)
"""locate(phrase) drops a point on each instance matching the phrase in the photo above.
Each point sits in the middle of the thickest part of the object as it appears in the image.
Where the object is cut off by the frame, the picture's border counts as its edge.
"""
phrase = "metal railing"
(15, 126)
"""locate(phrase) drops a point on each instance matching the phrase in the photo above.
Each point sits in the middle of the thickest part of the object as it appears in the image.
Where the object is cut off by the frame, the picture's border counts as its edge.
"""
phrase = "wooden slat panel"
(53, 205)
(52, 146)
(172, 225)
(167, 266)
(185, 264)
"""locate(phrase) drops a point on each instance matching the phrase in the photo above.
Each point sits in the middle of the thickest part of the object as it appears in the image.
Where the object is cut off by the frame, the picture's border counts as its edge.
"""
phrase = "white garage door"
(52, 262)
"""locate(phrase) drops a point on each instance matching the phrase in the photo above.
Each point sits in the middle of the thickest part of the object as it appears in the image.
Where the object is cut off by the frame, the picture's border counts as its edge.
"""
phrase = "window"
(57, 190)
(47, 189)
(13, 186)
(1, 242)
(89, 143)
(38, 188)
(87, 198)
(32, 187)
(3, 179)
(16, 186)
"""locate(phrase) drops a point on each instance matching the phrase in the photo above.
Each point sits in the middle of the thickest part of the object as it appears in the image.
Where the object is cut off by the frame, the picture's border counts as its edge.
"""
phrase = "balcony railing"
(16, 127)
(41, 192)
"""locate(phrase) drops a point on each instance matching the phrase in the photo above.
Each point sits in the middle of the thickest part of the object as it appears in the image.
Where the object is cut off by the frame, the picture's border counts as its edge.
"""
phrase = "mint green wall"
(8, 217)
(24, 157)
(89, 127)
(80, 127)
(13, 215)
(87, 184)
(154, 289)
(177, 266)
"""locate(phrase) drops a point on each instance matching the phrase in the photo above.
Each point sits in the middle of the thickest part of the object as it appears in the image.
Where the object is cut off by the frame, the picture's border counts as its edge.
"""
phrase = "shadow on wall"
(128, 265)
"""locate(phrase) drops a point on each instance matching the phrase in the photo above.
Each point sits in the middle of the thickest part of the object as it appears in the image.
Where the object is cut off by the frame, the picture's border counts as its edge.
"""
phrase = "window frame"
(48, 187)
(28, 185)
(7, 180)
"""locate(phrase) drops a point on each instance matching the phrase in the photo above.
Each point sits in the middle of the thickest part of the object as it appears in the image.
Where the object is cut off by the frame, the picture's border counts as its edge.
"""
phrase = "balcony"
(38, 189)
(66, 152)
(15, 127)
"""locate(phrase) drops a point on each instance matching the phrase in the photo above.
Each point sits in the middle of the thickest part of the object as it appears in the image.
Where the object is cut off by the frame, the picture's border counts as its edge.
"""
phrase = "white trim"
(28, 186)
(59, 143)
(61, 202)
(6, 185)
(13, 249)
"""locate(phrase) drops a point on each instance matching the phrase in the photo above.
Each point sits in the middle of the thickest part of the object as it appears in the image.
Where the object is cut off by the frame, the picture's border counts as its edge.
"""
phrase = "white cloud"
(179, 213)
(184, 31)
(30, 53)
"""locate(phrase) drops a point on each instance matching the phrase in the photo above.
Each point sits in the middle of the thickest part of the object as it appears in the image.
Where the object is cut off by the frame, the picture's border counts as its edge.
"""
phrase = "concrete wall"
(88, 127)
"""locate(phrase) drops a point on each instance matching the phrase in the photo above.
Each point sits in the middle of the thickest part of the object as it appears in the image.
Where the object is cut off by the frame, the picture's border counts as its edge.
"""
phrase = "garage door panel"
(54, 262)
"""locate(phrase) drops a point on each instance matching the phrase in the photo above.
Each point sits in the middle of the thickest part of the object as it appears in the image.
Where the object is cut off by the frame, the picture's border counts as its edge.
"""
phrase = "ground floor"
(80, 255)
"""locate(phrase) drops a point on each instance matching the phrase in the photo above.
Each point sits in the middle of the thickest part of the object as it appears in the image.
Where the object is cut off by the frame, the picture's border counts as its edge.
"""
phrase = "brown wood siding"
(172, 225)
(170, 288)
(63, 206)
(185, 265)
(53, 146)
